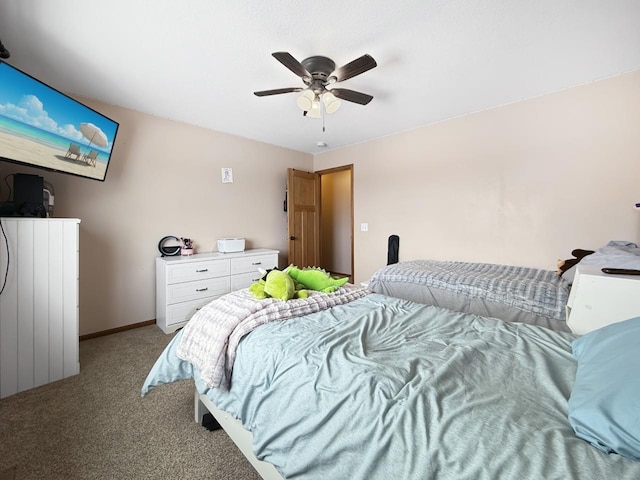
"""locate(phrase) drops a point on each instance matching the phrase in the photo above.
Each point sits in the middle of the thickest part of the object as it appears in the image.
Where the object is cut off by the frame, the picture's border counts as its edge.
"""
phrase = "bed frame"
(234, 429)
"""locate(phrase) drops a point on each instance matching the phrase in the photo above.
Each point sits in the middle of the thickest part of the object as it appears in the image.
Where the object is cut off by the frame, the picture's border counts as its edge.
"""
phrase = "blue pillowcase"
(604, 407)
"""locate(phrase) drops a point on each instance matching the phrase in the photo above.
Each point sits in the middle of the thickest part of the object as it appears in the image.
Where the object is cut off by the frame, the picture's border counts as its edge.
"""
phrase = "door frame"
(327, 171)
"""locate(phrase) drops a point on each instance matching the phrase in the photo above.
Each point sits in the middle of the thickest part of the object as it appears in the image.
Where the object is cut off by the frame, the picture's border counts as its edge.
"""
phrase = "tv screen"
(42, 127)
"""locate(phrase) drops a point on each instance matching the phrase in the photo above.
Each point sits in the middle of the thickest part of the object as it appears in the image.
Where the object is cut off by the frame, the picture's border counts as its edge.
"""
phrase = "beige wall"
(522, 184)
(164, 179)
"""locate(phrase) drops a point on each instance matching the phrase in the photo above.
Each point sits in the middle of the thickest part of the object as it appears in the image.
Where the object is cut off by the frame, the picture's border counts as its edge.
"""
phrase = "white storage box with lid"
(231, 245)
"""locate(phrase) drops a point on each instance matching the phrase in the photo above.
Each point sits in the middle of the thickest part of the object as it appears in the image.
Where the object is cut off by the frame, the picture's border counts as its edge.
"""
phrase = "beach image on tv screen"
(42, 127)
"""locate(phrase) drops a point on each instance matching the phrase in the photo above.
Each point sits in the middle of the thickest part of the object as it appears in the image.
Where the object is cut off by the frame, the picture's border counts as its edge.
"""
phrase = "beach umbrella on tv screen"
(93, 134)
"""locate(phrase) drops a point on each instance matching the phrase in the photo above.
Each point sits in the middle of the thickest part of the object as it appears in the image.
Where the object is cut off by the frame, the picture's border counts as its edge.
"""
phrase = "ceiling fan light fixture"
(331, 103)
(315, 112)
(305, 100)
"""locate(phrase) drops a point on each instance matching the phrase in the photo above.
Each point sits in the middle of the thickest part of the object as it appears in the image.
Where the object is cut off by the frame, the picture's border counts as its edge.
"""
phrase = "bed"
(360, 385)
(511, 293)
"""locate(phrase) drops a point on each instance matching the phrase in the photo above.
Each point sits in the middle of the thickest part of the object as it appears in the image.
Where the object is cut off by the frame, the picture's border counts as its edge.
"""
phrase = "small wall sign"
(227, 175)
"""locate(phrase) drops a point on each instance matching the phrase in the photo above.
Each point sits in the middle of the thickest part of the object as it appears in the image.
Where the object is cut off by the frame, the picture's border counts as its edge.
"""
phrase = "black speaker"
(28, 196)
(393, 249)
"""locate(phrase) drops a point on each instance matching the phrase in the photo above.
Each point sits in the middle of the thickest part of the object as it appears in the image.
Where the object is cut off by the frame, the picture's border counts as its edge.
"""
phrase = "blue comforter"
(383, 388)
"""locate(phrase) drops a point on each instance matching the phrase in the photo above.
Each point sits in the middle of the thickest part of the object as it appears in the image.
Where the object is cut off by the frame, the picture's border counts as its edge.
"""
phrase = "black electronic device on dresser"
(28, 197)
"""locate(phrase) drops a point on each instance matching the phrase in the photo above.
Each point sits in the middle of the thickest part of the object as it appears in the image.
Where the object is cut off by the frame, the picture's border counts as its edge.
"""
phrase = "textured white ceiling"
(199, 61)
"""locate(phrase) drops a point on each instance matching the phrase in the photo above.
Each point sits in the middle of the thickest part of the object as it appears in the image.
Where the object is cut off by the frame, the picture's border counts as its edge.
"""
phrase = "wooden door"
(303, 218)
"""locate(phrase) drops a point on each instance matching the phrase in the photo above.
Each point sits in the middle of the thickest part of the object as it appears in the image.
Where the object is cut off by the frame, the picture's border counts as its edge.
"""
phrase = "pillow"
(604, 407)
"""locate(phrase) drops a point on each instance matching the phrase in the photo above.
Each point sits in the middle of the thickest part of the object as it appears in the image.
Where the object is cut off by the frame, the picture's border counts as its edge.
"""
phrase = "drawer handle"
(203, 270)
(256, 263)
(202, 289)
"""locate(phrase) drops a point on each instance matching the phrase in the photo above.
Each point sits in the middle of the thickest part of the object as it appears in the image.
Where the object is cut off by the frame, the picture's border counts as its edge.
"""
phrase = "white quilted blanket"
(210, 339)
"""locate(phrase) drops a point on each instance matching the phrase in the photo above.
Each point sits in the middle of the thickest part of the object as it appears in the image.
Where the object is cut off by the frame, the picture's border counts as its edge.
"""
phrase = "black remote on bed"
(621, 271)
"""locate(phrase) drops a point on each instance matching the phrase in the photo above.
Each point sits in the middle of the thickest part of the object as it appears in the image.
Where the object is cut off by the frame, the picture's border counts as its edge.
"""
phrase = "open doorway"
(336, 220)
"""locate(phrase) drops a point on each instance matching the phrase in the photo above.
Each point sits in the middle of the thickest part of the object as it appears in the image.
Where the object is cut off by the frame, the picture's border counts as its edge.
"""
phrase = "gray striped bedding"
(511, 293)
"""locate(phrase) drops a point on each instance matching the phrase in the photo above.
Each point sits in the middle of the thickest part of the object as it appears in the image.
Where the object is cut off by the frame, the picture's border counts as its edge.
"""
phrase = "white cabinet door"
(39, 306)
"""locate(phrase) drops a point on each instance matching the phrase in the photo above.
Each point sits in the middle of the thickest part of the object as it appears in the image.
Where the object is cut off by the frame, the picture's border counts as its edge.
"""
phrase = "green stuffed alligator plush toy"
(277, 284)
(293, 282)
(315, 279)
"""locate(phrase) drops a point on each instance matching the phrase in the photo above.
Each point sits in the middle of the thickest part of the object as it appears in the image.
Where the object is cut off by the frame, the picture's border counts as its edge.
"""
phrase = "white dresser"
(598, 299)
(39, 305)
(185, 284)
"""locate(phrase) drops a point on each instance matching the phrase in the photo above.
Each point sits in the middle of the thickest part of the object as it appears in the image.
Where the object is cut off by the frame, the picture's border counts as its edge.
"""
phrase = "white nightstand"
(598, 299)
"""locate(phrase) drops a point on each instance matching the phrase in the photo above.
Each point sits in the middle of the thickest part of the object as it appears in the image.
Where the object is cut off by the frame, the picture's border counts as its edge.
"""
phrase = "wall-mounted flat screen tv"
(42, 127)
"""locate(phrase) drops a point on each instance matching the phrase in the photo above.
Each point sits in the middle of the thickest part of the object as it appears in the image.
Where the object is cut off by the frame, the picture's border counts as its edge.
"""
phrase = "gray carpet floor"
(95, 425)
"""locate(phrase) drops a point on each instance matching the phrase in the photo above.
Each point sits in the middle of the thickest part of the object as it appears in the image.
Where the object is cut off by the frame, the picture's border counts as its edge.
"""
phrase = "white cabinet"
(39, 305)
(185, 284)
(598, 299)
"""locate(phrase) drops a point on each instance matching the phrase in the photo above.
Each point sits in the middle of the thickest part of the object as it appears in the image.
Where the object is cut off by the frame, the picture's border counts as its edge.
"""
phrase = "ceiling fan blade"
(351, 95)
(292, 64)
(277, 91)
(356, 67)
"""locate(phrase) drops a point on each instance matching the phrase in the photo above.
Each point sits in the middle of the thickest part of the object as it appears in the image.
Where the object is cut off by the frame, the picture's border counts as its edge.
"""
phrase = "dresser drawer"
(182, 312)
(243, 280)
(186, 272)
(253, 263)
(183, 292)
